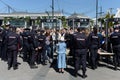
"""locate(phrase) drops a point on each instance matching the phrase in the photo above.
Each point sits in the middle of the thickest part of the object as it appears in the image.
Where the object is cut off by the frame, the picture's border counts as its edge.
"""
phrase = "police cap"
(27, 29)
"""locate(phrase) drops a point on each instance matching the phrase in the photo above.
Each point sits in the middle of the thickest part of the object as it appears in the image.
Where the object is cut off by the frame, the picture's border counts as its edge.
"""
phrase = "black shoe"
(115, 68)
(59, 71)
(15, 68)
(93, 68)
(62, 72)
(9, 67)
(75, 75)
(33, 66)
(84, 76)
(118, 65)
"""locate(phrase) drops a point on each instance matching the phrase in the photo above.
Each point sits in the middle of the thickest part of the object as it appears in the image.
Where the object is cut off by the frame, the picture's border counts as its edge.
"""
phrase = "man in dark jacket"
(115, 40)
(80, 47)
(94, 45)
(12, 40)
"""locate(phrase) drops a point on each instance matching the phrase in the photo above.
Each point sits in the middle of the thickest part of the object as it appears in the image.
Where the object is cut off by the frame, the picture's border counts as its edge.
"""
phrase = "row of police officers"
(33, 45)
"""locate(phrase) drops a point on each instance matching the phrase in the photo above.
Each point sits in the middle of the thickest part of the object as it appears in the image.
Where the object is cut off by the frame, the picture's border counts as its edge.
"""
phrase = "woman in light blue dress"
(61, 55)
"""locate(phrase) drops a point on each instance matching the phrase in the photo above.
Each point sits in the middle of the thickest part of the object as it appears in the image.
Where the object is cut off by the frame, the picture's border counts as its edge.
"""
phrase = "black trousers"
(93, 56)
(0, 50)
(26, 51)
(4, 53)
(12, 58)
(116, 57)
(80, 59)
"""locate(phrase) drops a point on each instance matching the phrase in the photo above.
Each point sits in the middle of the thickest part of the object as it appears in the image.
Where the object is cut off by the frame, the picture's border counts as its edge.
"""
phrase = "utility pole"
(97, 14)
(52, 13)
(8, 6)
(110, 9)
(101, 18)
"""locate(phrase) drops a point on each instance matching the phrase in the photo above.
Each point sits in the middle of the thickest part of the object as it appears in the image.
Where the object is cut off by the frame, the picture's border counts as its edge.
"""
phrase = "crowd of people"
(38, 46)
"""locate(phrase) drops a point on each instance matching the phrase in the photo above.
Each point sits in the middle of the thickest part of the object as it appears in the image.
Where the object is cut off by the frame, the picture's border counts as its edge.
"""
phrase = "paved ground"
(45, 73)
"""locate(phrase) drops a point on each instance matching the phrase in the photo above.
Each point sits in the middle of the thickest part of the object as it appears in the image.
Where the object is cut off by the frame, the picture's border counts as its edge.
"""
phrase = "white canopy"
(117, 15)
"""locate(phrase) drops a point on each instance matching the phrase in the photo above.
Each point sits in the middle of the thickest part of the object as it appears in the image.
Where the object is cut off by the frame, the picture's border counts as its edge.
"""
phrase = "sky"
(87, 7)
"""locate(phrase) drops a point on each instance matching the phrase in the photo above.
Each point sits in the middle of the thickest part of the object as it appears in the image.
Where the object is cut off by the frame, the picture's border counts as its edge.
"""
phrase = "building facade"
(24, 19)
(78, 20)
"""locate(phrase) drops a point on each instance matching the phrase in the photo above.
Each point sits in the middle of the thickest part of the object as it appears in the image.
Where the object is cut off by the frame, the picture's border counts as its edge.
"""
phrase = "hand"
(36, 49)
(98, 51)
(20, 49)
(39, 47)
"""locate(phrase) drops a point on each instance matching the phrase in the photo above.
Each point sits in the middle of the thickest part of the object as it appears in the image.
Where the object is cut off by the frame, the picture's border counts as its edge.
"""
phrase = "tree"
(64, 21)
(27, 19)
(38, 21)
(110, 19)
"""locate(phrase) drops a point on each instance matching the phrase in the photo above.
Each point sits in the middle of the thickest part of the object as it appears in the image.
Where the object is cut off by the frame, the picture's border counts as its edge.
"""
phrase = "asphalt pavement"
(24, 72)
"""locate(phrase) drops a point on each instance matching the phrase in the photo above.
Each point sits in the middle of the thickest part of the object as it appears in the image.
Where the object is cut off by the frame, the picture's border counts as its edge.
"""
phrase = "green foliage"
(107, 16)
(64, 21)
(27, 19)
(38, 20)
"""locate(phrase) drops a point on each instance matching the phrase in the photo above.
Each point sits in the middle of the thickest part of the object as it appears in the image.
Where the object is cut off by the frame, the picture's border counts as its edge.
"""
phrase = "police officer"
(4, 52)
(29, 47)
(12, 40)
(41, 47)
(94, 45)
(80, 47)
(1, 40)
(115, 40)
(33, 48)
(26, 47)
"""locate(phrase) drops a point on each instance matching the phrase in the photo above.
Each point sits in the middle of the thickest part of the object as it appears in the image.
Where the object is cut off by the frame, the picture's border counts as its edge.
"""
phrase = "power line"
(8, 6)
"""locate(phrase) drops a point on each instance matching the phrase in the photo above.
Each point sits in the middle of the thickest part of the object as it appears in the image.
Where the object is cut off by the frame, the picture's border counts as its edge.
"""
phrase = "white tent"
(117, 15)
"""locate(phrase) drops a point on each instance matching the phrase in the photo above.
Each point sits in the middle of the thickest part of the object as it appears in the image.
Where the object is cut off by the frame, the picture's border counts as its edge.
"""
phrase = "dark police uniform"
(4, 51)
(12, 40)
(115, 40)
(1, 41)
(80, 52)
(41, 47)
(26, 47)
(94, 45)
(33, 47)
(29, 46)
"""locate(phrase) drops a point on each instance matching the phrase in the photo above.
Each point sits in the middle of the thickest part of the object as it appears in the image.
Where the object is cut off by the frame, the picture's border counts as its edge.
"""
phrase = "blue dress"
(61, 55)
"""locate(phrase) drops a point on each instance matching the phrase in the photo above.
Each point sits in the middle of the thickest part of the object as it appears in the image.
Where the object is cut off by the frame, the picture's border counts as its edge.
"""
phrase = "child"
(61, 55)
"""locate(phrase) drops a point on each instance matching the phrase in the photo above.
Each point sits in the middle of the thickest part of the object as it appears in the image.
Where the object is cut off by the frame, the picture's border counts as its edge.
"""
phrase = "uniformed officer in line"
(94, 45)
(12, 40)
(29, 47)
(41, 47)
(80, 47)
(1, 40)
(119, 29)
(4, 52)
(115, 40)
(26, 46)
(33, 48)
